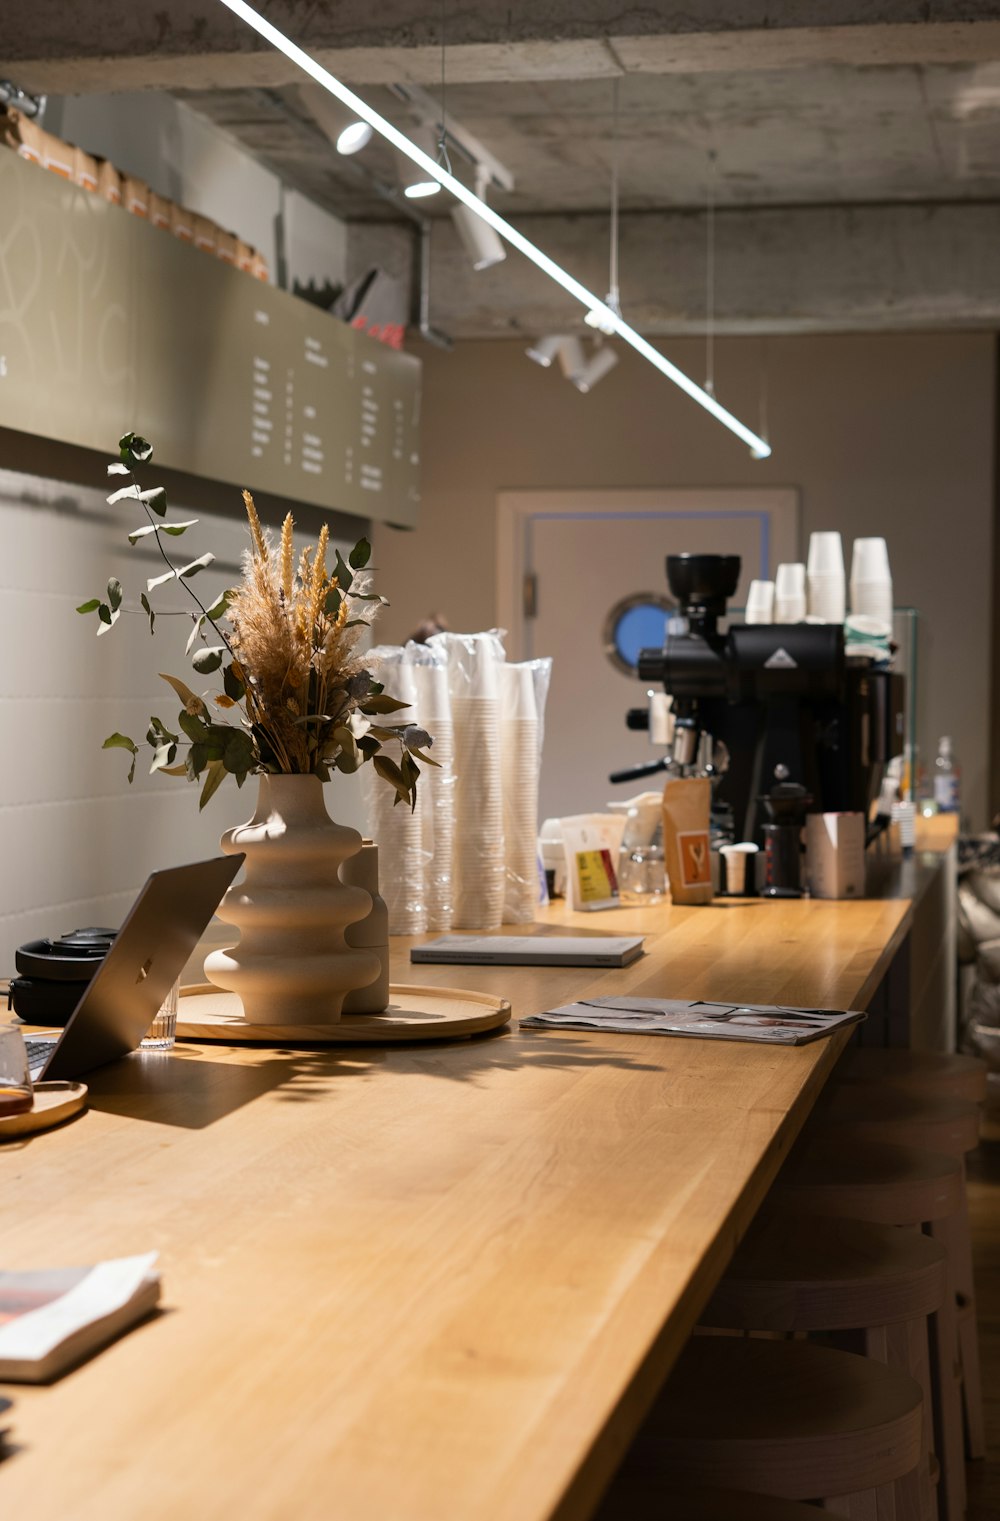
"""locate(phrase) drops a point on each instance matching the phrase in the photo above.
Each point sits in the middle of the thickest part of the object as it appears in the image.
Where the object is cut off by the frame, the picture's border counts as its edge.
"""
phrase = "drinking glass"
(15, 1083)
(163, 1031)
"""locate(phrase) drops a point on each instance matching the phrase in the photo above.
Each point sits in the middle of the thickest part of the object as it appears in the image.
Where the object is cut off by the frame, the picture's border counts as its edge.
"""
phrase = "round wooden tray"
(205, 1012)
(54, 1103)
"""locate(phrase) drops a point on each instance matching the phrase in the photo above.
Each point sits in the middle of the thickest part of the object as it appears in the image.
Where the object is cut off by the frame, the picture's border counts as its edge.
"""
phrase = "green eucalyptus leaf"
(193, 636)
(117, 468)
(131, 772)
(184, 692)
(219, 609)
(390, 772)
(134, 449)
(238, 755)
(176, 529)
(115, 593)
(195, 728)
(428, 760)
(360, 555)
(192, 569)
(174, 770)
(89, 607)
(197, 759)
(164, 755)
(382, 703)
(108, 618)
(155, 499)
(118, 741)
(155, 581)
(124, 493)
(140, 533)
(232, 685)
(343, 574)
(213, 781)
(207, 660)
(332, 604)
(147, 610)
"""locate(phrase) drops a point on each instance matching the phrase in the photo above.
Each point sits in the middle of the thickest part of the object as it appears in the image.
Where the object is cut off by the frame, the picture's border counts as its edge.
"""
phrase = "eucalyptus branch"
(172, 567)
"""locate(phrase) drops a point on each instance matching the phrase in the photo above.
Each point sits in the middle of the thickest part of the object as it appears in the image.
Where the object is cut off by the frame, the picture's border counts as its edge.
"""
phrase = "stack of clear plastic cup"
(478, 865)
(790, 593)
(871, 580)
(519, 771)
(825, 575)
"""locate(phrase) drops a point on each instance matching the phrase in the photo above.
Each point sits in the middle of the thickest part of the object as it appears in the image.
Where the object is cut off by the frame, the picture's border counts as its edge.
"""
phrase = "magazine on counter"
(52, 1318)
(773, 1024)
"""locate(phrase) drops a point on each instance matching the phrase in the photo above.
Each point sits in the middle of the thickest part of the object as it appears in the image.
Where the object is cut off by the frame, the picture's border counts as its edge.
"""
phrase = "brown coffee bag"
(687, 803)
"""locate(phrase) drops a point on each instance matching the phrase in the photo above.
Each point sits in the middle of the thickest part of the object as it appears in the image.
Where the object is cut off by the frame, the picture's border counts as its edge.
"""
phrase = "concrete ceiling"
(853, 148)
(830, 135)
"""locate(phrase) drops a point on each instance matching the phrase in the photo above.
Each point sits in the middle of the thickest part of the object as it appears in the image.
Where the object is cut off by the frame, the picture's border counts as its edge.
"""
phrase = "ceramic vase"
(371, 933)
(293, 964)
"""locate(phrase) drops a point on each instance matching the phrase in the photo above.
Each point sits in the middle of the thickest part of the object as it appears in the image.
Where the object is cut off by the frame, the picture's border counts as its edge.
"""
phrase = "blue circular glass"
(641, 627)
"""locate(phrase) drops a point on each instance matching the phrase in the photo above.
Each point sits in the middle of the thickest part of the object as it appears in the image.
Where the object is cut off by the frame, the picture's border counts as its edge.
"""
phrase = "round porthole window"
(638, 622)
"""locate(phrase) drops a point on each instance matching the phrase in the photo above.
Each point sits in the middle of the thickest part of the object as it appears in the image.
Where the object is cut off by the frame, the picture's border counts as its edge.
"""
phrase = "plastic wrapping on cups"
(478, 864)
(395, 829)
(436, 789)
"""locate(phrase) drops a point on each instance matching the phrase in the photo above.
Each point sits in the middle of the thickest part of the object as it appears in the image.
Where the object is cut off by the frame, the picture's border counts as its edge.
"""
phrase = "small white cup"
(735, 857)
(826, 555)
(790, 593)
(760, 602)
(872, 599)
(870, 560)
(827, 599)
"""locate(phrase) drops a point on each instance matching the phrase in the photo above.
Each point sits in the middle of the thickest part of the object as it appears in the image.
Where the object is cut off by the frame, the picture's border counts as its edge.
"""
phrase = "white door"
(565, 559)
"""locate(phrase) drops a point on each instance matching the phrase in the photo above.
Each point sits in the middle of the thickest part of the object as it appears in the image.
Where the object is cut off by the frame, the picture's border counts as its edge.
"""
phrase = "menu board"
(109, 325)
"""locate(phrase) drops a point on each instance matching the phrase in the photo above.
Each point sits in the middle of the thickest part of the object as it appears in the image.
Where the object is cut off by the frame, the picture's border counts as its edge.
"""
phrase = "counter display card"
(108, 324)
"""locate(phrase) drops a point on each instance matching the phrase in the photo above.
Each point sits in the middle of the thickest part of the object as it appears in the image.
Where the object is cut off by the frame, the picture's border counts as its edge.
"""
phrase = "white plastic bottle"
(947, 778)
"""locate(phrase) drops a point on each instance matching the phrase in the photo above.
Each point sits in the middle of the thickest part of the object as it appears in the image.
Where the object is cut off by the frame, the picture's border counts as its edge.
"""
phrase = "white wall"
(76, 841)
(181, 155)
(884, 435)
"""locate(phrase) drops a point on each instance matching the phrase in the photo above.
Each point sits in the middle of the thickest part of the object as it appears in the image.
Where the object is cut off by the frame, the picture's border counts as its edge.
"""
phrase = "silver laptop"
(160, 931)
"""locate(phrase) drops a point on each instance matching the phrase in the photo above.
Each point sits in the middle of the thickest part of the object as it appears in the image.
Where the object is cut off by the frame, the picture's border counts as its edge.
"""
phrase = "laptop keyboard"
(39, 1052)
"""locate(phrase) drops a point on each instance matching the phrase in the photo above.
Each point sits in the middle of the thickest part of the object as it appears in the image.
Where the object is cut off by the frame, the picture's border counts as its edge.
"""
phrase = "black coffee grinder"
(786, 806)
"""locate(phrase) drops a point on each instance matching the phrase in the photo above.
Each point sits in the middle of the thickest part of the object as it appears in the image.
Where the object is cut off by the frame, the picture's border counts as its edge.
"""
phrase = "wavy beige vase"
(293, 965)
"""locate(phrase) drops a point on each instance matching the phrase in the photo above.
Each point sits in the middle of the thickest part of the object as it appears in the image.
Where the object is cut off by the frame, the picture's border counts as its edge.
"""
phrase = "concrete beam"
(89, 46)
(778, 270)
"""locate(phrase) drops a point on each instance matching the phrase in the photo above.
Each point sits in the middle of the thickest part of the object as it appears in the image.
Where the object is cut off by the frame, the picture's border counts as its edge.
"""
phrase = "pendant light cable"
(710, 278)
(614, 295)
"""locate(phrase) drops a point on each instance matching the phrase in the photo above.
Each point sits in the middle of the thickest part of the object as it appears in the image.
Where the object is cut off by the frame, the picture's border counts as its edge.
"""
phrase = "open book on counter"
(52, 1318)
(774, 1024)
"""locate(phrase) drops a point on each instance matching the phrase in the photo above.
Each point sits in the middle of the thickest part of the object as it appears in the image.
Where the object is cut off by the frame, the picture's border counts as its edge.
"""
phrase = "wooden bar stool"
(924, 1072)
(942, 1124)
(842, 1177)
(783, 1418)
(801, 1274)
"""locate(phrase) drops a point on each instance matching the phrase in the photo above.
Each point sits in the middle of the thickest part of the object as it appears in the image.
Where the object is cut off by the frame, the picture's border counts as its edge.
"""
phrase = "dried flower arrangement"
(290, 663)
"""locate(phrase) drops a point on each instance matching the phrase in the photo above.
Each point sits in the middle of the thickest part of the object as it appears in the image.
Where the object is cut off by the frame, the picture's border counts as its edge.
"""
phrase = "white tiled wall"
(76, 842)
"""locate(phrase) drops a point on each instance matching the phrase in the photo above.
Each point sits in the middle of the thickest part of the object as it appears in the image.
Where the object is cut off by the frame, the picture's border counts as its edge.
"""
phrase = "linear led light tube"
(610, 321)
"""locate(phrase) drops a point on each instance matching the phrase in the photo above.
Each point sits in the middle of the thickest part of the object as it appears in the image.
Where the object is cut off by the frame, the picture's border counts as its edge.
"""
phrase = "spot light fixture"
(355, 136)
(481, 242)
(759, 447)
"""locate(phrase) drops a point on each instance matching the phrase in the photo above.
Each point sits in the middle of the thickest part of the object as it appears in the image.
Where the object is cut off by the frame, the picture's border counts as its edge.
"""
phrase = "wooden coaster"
(207, 1013)
(54, 1103)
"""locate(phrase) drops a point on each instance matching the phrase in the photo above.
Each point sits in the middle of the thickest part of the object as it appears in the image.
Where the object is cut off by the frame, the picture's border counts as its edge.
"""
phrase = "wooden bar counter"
(431, 1283)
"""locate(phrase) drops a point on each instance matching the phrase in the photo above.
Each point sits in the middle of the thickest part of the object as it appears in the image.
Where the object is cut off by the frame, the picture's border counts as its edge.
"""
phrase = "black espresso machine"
(782, 699)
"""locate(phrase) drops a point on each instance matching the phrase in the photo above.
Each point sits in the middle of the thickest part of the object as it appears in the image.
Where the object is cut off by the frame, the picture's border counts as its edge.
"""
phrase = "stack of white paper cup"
(397, 830)
(825, 573)
(790, 593)
(760, 602)
(478, 871)
(519, 768)
(436, 788)
(871, 580)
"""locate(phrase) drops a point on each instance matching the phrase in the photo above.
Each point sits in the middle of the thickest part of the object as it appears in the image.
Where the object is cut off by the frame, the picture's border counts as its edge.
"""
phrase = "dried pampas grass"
(296, 637)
